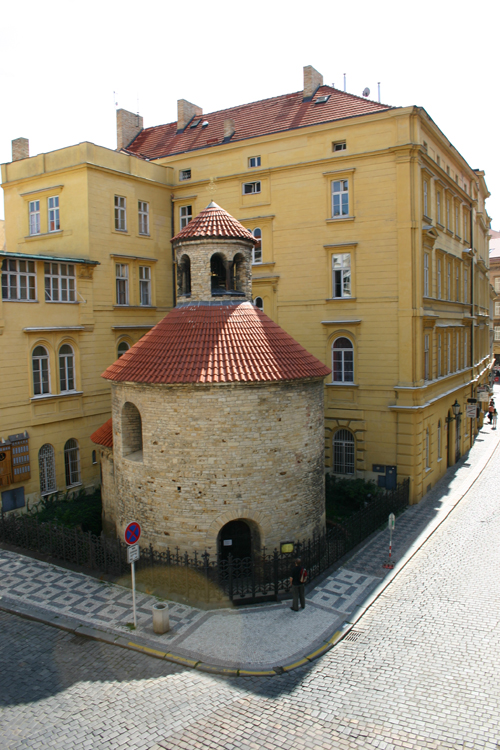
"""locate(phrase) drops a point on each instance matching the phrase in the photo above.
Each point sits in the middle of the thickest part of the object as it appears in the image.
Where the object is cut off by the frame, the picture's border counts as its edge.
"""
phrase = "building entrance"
(235, 538)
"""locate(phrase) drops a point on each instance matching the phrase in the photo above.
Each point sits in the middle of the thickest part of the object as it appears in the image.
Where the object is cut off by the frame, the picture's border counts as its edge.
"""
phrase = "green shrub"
(343, 497)
(73, 509)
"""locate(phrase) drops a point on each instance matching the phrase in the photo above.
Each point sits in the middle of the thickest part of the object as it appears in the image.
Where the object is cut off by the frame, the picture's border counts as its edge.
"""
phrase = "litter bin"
(161, 622)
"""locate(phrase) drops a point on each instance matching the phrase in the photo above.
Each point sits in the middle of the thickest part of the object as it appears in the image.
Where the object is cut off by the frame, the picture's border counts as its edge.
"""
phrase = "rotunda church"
(216, 440)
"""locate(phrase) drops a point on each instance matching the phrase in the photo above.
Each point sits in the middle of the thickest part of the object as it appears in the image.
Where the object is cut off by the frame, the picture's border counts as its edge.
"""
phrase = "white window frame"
(18, 280)
(466, 350)
(120, 213)
(185, 215)
(145, 286)
(439, 279)
(426, 357)
(346, 366)
(438, 201)
(34, 217)
(426, 206)
(339, 146)
(184, 174)
(257, 251)
(448, 354)
(341, 276)
(466, 227)
(53, 214)
(60, 282)
(72, 463)
(344, 452)
(457, 284)
(122, 288)
(448, 281)
(497, 309)
(457, 221)
(254, 162)
(439, 356)
(426, 274)
(457, 352)
(340, 199)
(251, 188)
(40, 367)
(497, 284)
(448, 217)
(66, 369)
(143, 214)
(497, 333)
(466, 285)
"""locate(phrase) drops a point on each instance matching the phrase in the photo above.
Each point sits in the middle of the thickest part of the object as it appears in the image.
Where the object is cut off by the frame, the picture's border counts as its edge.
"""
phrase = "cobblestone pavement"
(419, 671)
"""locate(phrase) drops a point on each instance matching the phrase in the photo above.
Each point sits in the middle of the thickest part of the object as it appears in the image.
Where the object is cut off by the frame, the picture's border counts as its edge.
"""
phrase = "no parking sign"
(132, 533)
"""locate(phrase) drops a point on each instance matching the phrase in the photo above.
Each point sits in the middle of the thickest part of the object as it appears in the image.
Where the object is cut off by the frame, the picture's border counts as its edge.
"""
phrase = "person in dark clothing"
(297, 586)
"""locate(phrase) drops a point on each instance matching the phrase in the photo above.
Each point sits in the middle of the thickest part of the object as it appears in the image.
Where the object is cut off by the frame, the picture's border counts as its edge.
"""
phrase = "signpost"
(391, 525)
(132, 536)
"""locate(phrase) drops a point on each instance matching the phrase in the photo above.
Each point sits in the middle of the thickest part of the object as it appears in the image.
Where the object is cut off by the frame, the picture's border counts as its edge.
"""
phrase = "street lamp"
(456, 409)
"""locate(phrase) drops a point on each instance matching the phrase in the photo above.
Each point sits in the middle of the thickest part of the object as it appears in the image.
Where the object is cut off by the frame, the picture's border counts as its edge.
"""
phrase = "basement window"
(251, 187)
(339, 146)
(184, 174)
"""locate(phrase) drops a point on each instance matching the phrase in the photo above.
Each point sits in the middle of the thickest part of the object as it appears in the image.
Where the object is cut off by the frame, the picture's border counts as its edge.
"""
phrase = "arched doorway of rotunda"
(235, 538)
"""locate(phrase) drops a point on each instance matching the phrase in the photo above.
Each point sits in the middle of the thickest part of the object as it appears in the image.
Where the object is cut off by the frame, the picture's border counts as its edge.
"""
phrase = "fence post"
(276, 573)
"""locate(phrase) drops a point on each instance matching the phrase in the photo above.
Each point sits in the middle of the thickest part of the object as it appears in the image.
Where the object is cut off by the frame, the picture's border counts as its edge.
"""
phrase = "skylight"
(195, 123)
(322, 99)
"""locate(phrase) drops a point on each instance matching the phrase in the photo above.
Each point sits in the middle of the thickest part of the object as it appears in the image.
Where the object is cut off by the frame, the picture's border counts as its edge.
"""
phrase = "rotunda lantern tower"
(213, 255)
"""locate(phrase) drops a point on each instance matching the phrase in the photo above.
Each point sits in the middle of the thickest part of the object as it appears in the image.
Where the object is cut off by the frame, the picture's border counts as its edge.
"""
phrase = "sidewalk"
(261, 639)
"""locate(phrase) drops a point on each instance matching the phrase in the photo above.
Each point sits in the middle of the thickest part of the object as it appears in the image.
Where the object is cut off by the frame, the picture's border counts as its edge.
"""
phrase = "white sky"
(61, 63)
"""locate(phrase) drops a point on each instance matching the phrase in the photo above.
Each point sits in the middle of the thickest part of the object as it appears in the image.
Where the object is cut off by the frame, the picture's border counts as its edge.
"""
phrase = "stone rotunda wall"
(200, 252)
(215, 453)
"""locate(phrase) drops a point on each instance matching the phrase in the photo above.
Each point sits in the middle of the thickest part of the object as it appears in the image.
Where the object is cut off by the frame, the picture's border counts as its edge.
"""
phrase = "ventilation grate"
(353, 635)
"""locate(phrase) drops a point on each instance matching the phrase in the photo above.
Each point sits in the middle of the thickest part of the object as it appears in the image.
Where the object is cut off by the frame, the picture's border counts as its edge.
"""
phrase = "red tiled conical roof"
(104, 435)
(215, 343)
(214, 221)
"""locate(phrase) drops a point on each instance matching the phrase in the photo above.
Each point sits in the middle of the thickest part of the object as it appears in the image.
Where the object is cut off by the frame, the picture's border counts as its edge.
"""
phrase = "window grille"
(343, 452)
(47, 467)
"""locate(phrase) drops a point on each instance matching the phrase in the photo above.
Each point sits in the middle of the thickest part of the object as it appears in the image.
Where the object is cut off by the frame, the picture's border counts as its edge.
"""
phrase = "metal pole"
(133, 593)
(390, 544)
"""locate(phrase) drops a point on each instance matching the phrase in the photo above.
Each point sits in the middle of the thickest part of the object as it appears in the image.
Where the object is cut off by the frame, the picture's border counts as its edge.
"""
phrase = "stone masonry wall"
(200, 252)
(212, 454)
(108, 491)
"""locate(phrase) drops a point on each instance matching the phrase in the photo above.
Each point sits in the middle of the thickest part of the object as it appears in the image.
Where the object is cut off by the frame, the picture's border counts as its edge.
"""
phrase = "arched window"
(343, 452)
(72, 463)
(219, 280)
(131, 432)
(259, 302)
(123, 347)
(94, 457)
(41, 379)
(343, 361)
(238, 273)
(184, 275)
(66, 368)
(47, 467)
(257, 251)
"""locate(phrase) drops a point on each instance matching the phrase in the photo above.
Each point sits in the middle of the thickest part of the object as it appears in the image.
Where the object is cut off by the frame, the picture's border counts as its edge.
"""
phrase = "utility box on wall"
(21, 469)
(5, 463)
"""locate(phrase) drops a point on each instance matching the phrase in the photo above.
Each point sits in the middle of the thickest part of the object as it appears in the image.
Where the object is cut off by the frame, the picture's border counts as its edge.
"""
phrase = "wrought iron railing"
(201, 577)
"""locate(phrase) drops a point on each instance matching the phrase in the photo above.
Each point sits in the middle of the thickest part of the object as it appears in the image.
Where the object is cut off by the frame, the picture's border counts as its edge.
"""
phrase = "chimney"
(312, 81)
(185, 113)
(128, 125)
(229, 128)
(20, 149)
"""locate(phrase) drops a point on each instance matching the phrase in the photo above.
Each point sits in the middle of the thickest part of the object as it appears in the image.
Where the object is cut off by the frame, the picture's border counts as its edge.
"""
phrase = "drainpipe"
(471, 222)
(174, 265)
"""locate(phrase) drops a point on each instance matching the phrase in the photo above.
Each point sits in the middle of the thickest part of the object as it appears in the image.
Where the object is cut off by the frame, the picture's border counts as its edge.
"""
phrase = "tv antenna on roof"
(366, 92)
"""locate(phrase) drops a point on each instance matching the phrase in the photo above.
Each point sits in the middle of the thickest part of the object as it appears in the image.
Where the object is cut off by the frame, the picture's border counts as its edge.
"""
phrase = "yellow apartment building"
(83, 278)
(373, 255)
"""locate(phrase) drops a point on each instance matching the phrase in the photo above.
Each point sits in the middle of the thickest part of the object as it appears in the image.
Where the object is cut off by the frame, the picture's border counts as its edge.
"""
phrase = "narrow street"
(420, 669)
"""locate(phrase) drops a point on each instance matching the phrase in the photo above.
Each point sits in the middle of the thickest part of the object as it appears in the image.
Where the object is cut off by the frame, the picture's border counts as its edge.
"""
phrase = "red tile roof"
(215, 343)
(214, 221)
(273, 115)
(104, 435)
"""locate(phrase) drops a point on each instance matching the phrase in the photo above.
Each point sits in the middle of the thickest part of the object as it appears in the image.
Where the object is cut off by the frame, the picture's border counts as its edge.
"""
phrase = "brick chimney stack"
(312, 81)
(20, 149)
(128, 125)
(185, 113)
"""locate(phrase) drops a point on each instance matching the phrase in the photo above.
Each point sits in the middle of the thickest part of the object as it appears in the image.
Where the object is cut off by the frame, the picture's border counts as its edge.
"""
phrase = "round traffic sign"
(132, 533)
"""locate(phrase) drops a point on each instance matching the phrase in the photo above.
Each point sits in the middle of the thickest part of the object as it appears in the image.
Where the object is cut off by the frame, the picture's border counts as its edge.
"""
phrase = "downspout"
(471, 222)
(174, 265)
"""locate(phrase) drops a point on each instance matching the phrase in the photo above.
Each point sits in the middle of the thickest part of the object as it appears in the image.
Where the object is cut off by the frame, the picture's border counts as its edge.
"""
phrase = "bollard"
(161, 622)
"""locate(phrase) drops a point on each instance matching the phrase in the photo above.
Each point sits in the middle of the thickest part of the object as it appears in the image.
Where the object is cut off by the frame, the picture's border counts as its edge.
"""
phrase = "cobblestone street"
(419, 670)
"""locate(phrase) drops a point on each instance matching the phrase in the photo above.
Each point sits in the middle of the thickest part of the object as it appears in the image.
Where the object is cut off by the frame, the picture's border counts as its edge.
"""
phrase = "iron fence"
(201, 577)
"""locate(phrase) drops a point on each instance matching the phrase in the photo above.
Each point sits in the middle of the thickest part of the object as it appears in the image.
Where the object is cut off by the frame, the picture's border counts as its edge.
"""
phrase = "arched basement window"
(343, 452)
(184, 275)
(131, 432)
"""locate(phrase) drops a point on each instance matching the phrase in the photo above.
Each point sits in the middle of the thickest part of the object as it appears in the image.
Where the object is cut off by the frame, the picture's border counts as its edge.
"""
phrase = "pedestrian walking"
(491, 409)
(495, 419)
(297, 579)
